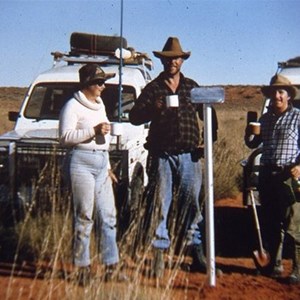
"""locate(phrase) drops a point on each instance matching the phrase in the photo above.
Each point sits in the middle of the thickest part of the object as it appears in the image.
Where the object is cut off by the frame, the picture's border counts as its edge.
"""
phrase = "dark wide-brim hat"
(279, 82)
(92, 74)
(172, 48)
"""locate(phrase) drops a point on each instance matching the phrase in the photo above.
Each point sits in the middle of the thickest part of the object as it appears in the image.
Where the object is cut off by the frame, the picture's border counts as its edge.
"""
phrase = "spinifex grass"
(43, 245)
(43, 236)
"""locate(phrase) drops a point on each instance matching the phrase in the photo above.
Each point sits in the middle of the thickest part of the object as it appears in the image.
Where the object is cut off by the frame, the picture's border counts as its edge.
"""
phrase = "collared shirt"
(172, 129)
(280, 136)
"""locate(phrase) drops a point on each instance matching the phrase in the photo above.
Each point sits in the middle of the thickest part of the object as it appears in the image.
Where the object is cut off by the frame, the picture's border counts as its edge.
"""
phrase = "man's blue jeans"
(93, 194)
(177, 176)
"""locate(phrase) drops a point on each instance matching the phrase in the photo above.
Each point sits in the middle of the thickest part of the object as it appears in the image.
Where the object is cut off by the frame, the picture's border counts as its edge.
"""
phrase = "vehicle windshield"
(47, 100)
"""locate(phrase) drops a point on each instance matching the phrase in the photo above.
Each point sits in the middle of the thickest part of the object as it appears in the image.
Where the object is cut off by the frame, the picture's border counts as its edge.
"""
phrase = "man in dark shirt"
(174, 165)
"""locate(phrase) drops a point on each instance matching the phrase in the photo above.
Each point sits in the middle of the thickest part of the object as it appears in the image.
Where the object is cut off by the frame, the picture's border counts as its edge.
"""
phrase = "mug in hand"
(255, 128)
(116, 128)
(172, 101)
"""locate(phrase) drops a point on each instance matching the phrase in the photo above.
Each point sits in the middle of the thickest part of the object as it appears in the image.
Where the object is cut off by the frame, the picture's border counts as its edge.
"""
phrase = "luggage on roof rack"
(100, 49)
(86, 43)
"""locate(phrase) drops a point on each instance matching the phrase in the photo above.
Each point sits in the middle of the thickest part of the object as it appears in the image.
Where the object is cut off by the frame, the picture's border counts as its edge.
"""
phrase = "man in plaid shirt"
(174, 166)
(280, 165)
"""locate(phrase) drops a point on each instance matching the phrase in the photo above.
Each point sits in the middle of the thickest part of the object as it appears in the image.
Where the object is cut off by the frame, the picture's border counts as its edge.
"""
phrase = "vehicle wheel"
(13, 209)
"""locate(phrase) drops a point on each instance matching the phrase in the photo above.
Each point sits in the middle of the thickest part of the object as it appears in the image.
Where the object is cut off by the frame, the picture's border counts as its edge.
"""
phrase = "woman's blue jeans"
(177, 177)
(93, 196)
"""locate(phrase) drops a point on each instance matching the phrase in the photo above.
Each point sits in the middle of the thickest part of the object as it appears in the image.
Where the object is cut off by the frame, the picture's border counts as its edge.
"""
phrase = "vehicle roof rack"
(291, 63)
(137, 58)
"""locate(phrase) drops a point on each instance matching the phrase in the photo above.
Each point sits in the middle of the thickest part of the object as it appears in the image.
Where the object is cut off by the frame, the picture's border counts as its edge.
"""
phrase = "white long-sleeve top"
(77, 120)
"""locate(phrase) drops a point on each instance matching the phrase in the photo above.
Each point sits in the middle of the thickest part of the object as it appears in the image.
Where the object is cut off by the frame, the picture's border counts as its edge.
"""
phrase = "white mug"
(255, 127)
(116, 128)
(172, 101)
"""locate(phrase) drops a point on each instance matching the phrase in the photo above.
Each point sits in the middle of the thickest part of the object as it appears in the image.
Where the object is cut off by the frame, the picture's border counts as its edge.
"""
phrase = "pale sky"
(231, 41)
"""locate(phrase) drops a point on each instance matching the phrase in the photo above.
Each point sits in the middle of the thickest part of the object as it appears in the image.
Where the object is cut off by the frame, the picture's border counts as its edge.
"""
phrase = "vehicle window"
(46, 100)
(110, 97)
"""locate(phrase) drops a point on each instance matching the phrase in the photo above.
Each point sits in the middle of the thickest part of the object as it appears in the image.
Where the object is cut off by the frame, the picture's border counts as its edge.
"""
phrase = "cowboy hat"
(172, 48)
(279, 82)
(92, 74)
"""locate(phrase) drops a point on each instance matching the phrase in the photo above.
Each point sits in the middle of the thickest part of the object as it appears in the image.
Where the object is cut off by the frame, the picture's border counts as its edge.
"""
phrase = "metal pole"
(207, 96)
(209, 192)
(121, 66)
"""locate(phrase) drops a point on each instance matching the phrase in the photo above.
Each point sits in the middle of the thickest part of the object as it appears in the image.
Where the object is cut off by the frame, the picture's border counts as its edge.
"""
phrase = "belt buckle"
(276, 170)
(279, 169)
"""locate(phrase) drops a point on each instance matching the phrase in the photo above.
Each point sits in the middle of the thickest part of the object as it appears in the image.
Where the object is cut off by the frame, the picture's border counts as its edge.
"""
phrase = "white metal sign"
(208, 96)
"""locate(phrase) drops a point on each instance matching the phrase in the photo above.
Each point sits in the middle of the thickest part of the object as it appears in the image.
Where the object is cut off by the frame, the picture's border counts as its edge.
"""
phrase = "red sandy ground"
(234, 230)
(238, 281)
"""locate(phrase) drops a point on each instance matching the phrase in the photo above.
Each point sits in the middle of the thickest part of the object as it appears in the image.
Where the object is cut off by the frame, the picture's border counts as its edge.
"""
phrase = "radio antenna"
(121, 65)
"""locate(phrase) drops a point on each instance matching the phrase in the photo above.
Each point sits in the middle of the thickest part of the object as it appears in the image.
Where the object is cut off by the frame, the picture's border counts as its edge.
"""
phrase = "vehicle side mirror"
(251, 116)
(13, 116)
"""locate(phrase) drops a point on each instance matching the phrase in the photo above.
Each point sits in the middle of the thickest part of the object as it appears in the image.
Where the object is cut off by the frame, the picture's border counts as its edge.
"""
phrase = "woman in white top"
(84, 127)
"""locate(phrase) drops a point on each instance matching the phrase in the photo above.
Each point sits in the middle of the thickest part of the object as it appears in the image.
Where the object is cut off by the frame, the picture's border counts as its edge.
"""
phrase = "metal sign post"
(207, 96)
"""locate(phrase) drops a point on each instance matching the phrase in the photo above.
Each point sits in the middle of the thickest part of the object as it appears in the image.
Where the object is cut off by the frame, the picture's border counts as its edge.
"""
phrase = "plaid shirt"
(171, 130)
(280, 136)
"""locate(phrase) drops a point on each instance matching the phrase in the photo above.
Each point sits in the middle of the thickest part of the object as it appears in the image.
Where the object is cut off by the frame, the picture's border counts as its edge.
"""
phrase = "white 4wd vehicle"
(291, 70)
(32, 147)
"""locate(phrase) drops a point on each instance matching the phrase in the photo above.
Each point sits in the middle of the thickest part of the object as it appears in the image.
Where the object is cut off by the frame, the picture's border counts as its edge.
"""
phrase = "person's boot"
(199, 263)
(114, 273)
(294, 278)
(158, 266)
(277, 270)
(83, 276)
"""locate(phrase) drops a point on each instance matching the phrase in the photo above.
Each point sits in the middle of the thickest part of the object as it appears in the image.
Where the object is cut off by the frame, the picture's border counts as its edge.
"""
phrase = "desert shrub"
(230, 150)
(226, 170)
